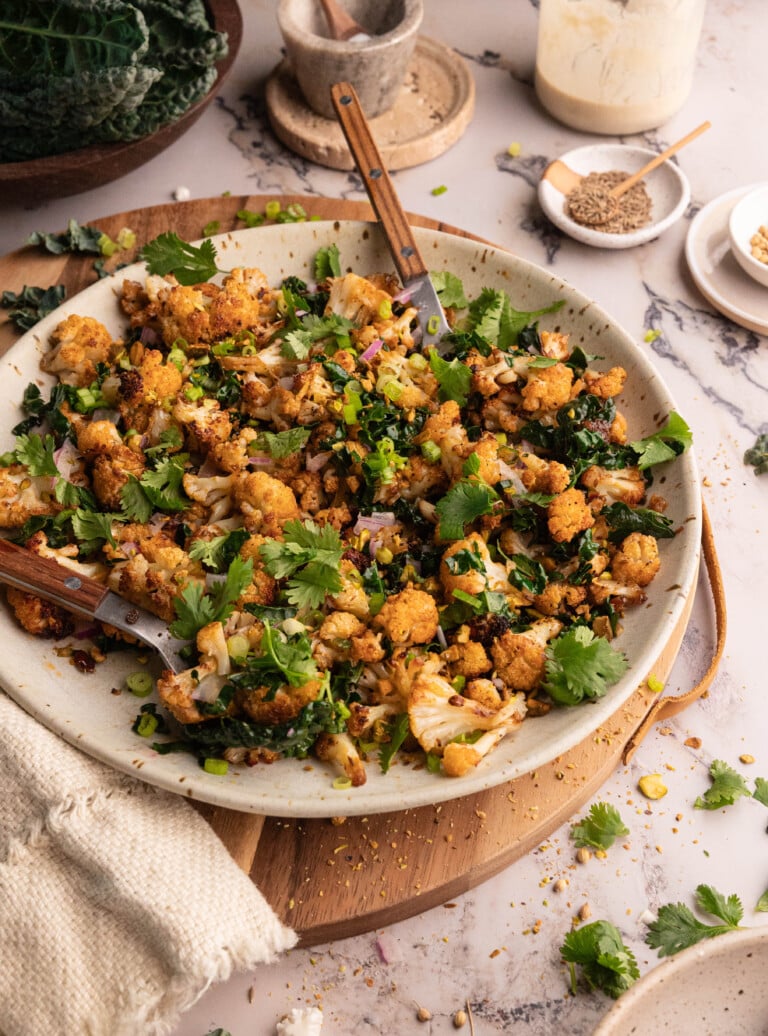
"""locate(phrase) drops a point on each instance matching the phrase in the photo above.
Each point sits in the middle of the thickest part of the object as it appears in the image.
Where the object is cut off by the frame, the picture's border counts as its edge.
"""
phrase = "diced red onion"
(286, 383)
(148, 336)
(441, 637)
(66, 458)
(87, 633)
(374, 522)
(387, 949)
(129, 547)
(373, 348)
(318, 461)
(259, 460)
(403, 296)
(207, 469)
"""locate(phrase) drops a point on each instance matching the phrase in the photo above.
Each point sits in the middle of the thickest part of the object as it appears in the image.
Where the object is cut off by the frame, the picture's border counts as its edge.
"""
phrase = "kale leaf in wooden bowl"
(91, 89)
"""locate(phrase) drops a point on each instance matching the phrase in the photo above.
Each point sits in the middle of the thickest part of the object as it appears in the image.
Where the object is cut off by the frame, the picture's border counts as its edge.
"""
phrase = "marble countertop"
(497, 947)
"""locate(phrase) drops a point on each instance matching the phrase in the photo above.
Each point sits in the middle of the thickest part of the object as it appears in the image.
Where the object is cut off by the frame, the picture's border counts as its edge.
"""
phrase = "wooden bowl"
(73, 172)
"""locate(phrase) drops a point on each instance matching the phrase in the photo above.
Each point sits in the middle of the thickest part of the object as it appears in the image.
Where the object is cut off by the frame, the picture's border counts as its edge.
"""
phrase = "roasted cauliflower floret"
(265, 502)
(341, 752)
(181, 692)
(113, 463)
(39, 617)
(637, 560)
(153, 384)
(607, 384)
(409, 617)
(214, 492)
(568, 515)
(617, 485)
(468, 659)
(356, 299)
(520, 657)
(79, 343)
(547, 388)
(557, 598)
(460, 758)
(205, 424)
(23, 496)
(265, 705)
(543, 476)
(466, 565)
(555, 345)
(438, 716)
(154, 577)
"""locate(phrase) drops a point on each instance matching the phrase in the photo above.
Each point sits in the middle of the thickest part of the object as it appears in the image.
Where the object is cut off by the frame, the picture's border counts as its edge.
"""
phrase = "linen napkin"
(119, 906)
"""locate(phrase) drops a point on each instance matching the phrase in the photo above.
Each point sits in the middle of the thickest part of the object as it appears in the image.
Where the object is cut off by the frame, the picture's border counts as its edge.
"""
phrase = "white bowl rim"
(753, 266)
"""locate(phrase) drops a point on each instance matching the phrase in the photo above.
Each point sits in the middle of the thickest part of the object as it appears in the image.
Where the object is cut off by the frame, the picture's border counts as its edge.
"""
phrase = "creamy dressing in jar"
(616, 66)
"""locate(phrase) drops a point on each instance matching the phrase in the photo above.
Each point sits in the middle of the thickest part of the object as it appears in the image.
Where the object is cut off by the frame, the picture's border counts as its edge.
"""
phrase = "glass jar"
(616, 66)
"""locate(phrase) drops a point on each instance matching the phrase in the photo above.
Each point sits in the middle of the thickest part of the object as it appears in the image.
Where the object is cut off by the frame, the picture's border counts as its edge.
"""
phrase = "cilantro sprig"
(195, 608)
(580, 665)
(462, 504)
(672, 439)
(189, 264)
(728, 786)
(676, 926)
(600, 828)
(309, 558)
(605, 962)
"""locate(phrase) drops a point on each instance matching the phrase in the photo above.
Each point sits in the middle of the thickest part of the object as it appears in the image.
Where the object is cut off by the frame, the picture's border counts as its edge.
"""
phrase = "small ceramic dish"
(716, 986)
(667, 186)
(748, 216)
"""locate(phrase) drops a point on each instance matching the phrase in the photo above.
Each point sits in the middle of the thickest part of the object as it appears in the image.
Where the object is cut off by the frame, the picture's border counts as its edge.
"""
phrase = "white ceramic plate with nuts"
(667, 186)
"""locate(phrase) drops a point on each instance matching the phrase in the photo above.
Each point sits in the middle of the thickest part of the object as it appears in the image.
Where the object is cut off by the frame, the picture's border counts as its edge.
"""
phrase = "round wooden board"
(330, 880)
(433, 110)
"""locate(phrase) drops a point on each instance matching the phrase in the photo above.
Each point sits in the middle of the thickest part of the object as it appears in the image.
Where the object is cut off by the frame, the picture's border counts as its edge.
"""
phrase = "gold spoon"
(342, 25)
(602, 205)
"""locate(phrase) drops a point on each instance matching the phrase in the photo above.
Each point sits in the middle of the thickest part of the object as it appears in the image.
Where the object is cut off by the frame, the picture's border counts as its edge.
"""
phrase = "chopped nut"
(583, 855)
(423, 1014)
(692, 742)
(746, 758)
(585, 912)
(652, 786)
(459, 1019)
(560, 885)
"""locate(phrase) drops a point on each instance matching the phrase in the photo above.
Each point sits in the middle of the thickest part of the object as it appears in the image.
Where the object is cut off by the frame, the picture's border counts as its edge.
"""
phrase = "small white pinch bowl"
(667, 186)
(747, 216)
(716, 986)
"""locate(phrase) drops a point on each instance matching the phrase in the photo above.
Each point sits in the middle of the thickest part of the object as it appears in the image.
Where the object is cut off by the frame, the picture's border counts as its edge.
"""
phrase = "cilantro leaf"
(218, 553)
(449, 290)
(727, 787)
(761, 790)
(290, 657)
(136, 505)
(494, 318)
(453, 377)
(327, 263)
(600, 828)
(762, 903)
(37, 454)
(92, 528)
(309, 556)
(195, 608)
(464, 501)
(190, 264)
(606, 963)
(581, 666)
(280, 445)
(163, 486)
(399, 728)
(757, 455)
(676, 926)
(527, 574)
(667, 443)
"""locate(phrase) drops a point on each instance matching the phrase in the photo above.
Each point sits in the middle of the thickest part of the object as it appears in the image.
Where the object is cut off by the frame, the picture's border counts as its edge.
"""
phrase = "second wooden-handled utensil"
(80, 594)
(394, 223)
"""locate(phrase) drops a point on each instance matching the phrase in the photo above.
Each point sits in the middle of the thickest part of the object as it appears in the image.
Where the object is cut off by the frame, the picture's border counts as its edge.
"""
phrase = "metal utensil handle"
(46, 578)
(381, 191)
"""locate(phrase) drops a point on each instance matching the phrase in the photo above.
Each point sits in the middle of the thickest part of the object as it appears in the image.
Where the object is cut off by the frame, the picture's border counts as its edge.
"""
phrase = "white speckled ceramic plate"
(667, 186)
(718, 276)
(716, 987)
(83, 709)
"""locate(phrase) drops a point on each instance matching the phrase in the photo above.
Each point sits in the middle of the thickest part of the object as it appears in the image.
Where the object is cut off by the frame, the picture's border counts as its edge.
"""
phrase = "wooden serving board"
(331, 879)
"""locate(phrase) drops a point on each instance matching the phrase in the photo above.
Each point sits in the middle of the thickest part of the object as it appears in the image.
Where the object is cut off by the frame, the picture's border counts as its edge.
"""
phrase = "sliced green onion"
(418, 361)
(272, 209)
(458, 683)
(393, 390)
(433, 325)
(342, 783)
(237, 647)
(431, 451)
(655, 684)
(146, 725)
(140, 684)
(439, 190)
(385, 309)
(216, 766)
(211, 228)
(177, 358)
(126, 238)
(249, 349)
(193, 392)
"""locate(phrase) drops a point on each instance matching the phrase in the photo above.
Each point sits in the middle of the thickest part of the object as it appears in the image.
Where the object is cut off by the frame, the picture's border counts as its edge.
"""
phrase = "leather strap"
(670, 705)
